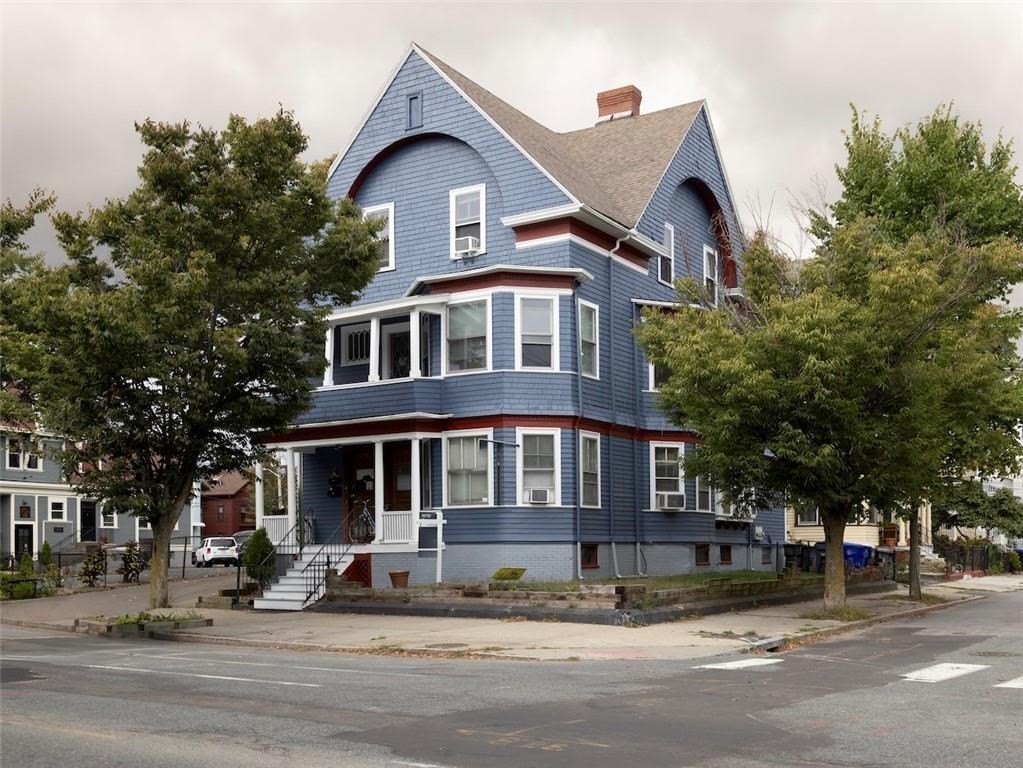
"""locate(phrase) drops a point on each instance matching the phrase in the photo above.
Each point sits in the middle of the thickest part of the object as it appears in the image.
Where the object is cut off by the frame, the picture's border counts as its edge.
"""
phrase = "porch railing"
(396, 527)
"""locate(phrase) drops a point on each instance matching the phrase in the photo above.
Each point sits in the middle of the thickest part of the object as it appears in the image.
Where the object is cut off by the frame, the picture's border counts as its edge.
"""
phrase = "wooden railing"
(396, 527)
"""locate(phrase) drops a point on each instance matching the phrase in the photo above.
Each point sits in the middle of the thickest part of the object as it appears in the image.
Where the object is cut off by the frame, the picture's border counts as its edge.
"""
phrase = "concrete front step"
(265, 604)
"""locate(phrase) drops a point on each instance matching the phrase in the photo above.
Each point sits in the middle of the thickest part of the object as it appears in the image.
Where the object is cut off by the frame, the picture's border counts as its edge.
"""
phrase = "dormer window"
(666, 263)
(468, 214)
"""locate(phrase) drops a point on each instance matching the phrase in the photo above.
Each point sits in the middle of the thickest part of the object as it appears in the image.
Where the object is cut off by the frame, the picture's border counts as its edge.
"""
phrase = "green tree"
(190, 319)
(965, 504)
(863, 375)
(937, 174)
(258, 558)
(45, 555)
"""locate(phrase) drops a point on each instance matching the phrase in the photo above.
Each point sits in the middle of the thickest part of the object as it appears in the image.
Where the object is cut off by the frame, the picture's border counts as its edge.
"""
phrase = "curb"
(784, 642)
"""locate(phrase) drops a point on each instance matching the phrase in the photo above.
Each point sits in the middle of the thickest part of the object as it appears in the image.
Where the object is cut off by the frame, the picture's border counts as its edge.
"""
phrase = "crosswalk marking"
(741, 664)
(1017, 683)
(939, 672)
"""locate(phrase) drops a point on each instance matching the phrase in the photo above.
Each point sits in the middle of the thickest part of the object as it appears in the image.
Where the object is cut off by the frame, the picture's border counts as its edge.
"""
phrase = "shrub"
(94, 567)
(53, 578)
(27, 568)
(1012, 560)
(45, 555)
(258, 558)
(131, 562)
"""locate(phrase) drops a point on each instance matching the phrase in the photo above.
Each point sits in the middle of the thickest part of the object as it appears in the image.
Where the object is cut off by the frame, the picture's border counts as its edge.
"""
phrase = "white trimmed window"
(17, 458)
(667, 480)
(467, 336)
(666, 263)
(589, 472)
(705, 496)
(807, 515)
(107, 517)
(58, 509)
(536, 320)
(385, 236)
(710, 273)
(539, 466)
(467, 462)
(589, 334)
(657, 376)
(356, 341)
(468, 221)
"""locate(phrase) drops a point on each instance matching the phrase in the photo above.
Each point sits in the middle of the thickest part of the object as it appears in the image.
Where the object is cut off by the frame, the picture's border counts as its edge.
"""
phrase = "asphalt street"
(942, 689)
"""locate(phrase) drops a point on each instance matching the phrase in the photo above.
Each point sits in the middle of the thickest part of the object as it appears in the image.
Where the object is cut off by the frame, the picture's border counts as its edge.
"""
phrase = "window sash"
(536, 329)
(57, 510)
(667, 470)
(107, 519)
(590, 471)
(588, 339)
(467, 336)
(14, 456)
(467, 470)
(710, 273)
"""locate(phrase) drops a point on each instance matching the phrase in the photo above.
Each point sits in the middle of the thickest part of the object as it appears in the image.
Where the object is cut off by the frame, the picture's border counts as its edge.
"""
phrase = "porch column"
(259, 493)
(417, 501)
(378, 488)
(289, 465)
(374, 349)
(415, 365)
(328, 373)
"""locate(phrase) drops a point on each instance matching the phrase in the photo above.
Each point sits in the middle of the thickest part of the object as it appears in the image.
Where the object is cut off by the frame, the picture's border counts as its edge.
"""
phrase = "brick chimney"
(619, 102)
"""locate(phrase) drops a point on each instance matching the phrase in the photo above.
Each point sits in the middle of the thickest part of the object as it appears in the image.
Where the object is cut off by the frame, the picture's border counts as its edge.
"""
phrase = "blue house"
(37, 505)
(488, 377)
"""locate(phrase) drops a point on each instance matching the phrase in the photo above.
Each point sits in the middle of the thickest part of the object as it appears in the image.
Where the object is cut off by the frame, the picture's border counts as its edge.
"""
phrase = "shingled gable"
(613, 167)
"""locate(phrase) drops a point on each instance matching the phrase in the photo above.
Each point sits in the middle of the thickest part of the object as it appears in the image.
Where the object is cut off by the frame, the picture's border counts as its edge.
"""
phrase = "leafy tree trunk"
(915, 592)
(834, 565)
(163, 527)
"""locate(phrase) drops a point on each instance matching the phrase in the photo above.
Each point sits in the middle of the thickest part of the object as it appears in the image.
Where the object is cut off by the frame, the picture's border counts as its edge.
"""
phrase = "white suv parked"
(217, 549)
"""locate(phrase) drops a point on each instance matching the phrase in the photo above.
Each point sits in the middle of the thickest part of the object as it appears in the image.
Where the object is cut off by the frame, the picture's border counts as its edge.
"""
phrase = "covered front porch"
(362, 494)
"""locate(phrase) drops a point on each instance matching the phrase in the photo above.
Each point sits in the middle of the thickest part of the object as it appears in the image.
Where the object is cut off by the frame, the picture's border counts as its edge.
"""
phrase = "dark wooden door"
(359, 482)
(398, 476)
(88, 521)
(22, 540)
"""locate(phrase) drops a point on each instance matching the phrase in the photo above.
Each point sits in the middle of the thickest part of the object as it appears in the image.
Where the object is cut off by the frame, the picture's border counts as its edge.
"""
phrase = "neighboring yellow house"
(804, 526)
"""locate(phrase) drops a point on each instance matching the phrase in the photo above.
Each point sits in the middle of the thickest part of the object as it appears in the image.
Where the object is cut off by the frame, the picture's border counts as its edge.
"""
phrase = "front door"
(22, 540)
(88, 521)
(359, 482)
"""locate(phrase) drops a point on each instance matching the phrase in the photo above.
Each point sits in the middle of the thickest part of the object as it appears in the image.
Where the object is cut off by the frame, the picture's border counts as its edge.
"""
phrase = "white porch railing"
(396, 527)
(276, 528)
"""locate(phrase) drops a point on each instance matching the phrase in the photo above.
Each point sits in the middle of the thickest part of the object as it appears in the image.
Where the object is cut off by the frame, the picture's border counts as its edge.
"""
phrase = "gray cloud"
(778, 77)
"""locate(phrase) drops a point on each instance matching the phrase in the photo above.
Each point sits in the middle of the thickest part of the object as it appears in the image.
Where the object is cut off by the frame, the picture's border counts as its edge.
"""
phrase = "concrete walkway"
(687, 639)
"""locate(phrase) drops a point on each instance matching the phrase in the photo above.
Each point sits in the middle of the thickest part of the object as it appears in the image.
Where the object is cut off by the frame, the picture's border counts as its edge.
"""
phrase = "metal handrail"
(315, 577)
(236, 600)
(60, 544)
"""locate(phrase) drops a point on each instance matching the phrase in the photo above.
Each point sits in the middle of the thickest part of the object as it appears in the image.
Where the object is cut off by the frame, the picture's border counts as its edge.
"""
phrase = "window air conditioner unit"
(758, 533)
(467, 246)
(671, 501)
(539, 495)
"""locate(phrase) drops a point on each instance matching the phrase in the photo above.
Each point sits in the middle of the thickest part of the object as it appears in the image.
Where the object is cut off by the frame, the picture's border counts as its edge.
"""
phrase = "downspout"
(614, 405)
(635, 465)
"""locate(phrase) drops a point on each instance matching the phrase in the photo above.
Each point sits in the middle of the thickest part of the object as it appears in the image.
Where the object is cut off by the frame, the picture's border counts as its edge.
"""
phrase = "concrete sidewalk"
(687, 639)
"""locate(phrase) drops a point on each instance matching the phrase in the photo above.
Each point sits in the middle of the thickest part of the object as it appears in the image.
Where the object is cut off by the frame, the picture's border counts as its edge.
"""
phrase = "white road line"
(192, 660)
(1017, 683)
(206, 677)
(741, 664)
(937, 673)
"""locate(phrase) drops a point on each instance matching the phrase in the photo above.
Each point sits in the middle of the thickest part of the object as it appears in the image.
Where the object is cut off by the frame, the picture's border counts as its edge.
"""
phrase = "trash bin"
(857, 555)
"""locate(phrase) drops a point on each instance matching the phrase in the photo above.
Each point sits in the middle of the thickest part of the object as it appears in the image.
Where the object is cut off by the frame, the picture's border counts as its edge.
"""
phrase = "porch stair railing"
(305, 582)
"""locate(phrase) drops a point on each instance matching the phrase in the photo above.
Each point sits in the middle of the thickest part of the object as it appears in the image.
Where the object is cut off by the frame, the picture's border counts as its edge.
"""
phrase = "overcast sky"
(779, 77)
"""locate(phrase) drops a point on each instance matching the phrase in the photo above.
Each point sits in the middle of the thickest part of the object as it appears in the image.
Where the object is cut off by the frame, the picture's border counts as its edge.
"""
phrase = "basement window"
(590, 555)
(725, 554)
(703, 554)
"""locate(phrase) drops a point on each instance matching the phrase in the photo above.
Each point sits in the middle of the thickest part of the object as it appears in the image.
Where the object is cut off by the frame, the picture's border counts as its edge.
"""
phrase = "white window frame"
(816, 516)
(444, 336)
(23, 456)
(651, 384)
(520, 433)
(583, 437)
(581, 306)
(62, 500)
(713, 254)
(389, 207)
(452, 195)
(712, 496)
(348, 330)
(102, 513)
(554, 300)
(653, 471)
(669, 242)
(487, 434)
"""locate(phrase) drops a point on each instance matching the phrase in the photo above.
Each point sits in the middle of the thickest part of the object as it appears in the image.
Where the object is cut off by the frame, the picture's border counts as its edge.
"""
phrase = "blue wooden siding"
(698, 158)
(49, 472)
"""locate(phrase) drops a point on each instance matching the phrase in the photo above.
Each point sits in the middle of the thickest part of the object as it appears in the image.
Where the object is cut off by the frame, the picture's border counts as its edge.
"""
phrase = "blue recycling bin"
(857, 555)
